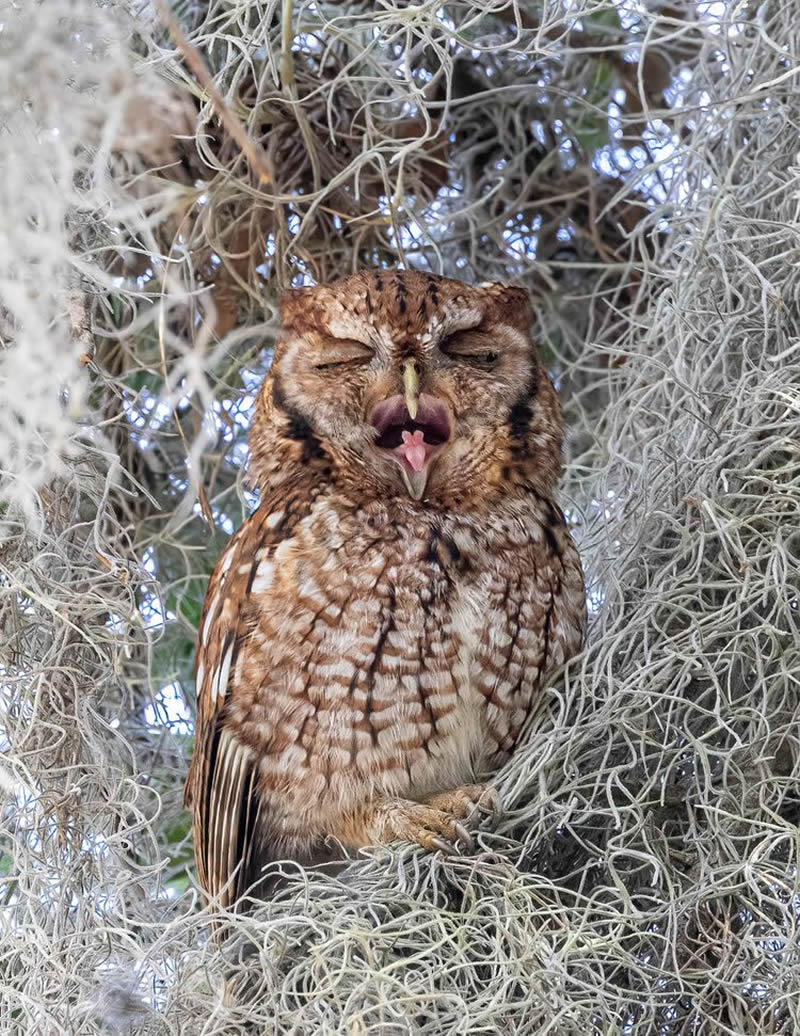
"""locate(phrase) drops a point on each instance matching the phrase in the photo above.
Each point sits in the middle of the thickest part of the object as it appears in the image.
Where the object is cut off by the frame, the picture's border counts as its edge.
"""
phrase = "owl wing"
(221, 787)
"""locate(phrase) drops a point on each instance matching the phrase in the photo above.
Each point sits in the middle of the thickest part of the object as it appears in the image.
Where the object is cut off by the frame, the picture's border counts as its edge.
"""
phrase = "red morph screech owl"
(376, 633)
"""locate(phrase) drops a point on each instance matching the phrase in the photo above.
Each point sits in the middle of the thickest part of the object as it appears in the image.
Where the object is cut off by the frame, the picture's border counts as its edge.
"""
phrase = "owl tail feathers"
(261, 866)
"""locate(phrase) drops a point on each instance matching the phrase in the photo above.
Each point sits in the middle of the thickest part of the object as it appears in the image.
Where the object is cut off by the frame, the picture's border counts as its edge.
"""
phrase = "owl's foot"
(437, 823)
(477, 804)
(401, 820)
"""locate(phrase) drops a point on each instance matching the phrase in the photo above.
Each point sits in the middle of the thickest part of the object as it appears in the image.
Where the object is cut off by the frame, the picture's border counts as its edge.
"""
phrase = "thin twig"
(250, 148)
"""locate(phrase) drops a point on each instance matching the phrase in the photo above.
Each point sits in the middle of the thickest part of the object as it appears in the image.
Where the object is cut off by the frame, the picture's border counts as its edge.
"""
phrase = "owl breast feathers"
(375, 634)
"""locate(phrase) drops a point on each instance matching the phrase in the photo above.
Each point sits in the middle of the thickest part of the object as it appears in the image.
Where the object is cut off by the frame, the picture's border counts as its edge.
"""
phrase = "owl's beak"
(411, 387)
(415, 482)
(412, 432)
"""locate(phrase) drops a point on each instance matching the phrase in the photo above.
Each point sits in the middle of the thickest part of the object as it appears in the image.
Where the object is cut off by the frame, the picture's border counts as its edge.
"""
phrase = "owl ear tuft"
(291, 302)
(513, 305)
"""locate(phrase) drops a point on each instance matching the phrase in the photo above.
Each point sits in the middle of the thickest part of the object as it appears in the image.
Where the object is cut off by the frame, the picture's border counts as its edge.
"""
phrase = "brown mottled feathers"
(375, 634)
(222, 788)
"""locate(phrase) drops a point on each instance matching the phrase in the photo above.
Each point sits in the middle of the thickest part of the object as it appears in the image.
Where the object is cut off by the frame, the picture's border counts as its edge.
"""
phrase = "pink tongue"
(413, 449)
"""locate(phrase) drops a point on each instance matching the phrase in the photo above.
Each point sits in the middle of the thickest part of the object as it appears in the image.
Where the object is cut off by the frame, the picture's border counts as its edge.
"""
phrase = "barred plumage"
(375, 634)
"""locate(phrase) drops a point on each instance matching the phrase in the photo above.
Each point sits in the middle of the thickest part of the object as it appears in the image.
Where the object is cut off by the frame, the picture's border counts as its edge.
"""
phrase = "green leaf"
(186, 600)
(178, 832)
(591, 128)
(116, 309)
(604, 17)
(144, 379)
(180, 883)
(592, 137)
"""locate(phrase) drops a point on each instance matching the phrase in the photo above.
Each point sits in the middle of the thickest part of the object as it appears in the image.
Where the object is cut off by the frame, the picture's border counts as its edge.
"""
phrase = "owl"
(376, 633)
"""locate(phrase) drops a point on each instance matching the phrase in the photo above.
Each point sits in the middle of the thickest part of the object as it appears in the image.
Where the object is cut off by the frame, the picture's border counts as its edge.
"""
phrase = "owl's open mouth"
(412, 443)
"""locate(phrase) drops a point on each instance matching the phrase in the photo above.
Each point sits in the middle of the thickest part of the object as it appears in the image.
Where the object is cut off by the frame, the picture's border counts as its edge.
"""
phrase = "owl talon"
(393, 820)
(464, 836)
(475, 804)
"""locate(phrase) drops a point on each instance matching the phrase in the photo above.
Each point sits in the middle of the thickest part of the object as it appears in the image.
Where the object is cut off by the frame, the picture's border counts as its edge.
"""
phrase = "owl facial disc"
(413, 443)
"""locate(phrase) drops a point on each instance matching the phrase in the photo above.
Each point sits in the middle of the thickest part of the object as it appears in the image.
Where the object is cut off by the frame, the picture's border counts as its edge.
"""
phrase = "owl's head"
(398, 383)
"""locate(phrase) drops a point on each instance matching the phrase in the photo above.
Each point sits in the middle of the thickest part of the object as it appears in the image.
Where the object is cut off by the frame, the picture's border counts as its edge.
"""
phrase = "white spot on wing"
(283, 550)
(212, 611)
(264, 576)
(219, 684)
(309, 589)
